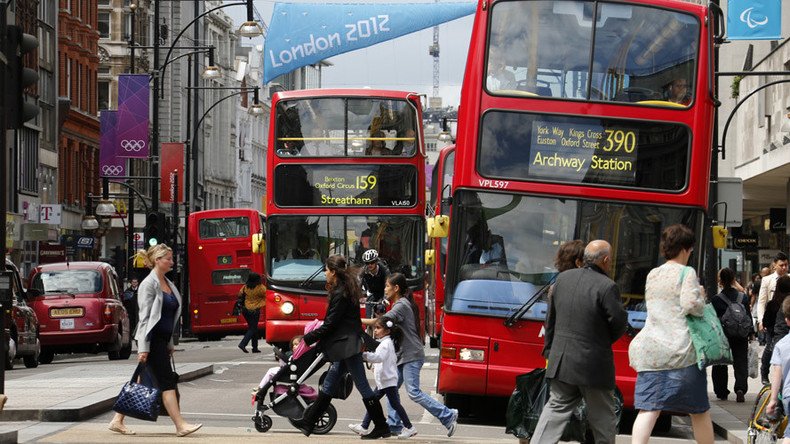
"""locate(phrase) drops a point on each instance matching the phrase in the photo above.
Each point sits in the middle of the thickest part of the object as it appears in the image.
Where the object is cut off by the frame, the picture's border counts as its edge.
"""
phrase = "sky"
(402, 63)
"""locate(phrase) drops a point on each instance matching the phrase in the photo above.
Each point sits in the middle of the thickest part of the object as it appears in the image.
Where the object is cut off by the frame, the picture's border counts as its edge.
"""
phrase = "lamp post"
(248, 29)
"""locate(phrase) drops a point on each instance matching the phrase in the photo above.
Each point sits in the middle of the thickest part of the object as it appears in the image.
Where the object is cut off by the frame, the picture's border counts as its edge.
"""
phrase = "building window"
(104, 3)
(104, 95)
(28, 159)
(104, 24)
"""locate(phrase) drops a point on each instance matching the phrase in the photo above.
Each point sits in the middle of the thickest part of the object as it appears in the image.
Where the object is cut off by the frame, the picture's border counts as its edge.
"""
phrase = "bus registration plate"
(228, 320)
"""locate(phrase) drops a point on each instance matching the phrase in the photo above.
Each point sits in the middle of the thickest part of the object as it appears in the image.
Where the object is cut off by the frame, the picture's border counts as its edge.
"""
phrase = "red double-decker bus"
(346, 173)
(440, 193)
(223, 250)
(578, 120)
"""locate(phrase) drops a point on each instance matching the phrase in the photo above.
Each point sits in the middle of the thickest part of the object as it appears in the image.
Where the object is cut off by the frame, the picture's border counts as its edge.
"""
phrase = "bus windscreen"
(328, 186)
(584, 150)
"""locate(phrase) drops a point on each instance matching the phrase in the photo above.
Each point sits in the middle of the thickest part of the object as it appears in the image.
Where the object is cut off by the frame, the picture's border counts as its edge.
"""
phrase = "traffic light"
(155, 231)
(18, 77)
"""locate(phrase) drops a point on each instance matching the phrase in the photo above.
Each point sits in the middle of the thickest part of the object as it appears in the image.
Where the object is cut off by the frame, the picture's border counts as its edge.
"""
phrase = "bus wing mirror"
(258, 244)
(438, 226)
(430, 257)
(719, 237)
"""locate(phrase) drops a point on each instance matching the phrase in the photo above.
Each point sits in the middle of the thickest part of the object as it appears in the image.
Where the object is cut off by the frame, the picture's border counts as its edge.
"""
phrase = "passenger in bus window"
(678, 91)
(499, 78)
(406, 147)
(377, 147)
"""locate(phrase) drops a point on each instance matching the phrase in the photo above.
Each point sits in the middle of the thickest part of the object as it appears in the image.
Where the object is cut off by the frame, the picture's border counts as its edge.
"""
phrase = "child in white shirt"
(385, 371)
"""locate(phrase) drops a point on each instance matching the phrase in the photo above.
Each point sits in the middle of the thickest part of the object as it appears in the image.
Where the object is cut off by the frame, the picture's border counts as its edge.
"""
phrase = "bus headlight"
(471, 354)
(287, 308)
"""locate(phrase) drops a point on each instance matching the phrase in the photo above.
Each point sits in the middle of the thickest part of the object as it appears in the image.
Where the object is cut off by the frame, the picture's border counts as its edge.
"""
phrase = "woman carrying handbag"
(159, 310)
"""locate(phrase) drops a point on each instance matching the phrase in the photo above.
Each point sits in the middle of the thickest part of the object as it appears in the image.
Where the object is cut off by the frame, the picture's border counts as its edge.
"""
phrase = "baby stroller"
(289, 397)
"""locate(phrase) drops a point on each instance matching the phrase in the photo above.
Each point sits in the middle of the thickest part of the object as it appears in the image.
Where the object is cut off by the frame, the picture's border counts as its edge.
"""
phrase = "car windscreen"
(68, 281)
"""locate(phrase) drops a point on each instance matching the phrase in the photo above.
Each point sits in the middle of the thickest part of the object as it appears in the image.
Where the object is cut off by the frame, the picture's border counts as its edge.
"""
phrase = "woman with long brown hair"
(341, 344)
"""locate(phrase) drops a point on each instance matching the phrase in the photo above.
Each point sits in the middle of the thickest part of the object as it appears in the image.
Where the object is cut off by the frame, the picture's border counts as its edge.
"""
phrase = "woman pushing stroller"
(341, 344)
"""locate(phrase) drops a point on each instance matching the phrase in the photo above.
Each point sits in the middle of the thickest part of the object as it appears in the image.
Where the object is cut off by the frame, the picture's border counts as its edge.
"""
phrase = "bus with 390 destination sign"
(578, 119)
(223, 250)
(346, 173)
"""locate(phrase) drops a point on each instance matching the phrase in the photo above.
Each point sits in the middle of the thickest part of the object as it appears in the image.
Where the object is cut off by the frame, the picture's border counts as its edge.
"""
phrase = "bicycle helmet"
(370, 256)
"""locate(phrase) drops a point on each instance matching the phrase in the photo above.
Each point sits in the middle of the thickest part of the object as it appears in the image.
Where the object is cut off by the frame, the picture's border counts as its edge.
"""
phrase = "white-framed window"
(103, 94)
(104, 24)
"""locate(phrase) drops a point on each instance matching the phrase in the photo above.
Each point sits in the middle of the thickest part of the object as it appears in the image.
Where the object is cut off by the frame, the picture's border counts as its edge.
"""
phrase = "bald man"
(586, 317)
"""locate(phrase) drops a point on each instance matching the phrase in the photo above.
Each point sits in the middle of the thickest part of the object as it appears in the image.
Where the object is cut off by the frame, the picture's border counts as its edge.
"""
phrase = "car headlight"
(471, 354)
(287, 308)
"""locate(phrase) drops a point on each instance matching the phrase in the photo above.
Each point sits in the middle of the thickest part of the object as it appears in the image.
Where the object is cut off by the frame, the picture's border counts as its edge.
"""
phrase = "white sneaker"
(357, 428)
(453, 423)
(407, 433)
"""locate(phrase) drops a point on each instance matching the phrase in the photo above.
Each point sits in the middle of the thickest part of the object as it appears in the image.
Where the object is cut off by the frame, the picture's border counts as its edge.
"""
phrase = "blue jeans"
(410, 373)
(252, 318)
(356, 368)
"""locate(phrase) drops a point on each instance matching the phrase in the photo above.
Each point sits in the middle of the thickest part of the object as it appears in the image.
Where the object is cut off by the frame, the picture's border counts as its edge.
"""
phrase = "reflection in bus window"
(637, 51)
(531, 230)
(224, 227)
(338, 127)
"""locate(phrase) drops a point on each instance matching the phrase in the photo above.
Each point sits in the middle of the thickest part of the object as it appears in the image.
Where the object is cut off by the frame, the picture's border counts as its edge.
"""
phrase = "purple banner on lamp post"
(110, 165)
(133, 101)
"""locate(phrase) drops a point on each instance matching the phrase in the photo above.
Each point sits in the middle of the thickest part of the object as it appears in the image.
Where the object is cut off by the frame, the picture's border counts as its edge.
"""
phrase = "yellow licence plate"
(228, 320)
(71, 312)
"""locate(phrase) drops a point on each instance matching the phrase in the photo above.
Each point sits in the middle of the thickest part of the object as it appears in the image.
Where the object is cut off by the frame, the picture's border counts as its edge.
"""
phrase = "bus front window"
(507, 245)
(299, 245)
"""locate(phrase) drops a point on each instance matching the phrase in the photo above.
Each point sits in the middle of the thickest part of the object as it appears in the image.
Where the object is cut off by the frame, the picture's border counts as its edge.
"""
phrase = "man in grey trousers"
(585, 318)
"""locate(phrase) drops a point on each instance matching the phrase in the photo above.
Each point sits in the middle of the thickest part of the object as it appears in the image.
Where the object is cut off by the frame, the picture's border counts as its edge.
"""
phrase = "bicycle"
(762, 428)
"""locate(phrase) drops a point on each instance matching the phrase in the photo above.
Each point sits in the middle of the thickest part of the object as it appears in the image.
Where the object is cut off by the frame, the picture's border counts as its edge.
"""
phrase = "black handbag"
(175, 377)
(138, 400)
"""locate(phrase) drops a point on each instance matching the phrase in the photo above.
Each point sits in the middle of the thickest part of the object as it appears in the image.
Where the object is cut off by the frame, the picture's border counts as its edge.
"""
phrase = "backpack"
(736, 321)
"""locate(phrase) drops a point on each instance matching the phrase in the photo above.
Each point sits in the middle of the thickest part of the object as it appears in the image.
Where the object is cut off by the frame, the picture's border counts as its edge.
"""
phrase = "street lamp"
(89, 221)
(245, 30)
(105, 208)
(212, 71)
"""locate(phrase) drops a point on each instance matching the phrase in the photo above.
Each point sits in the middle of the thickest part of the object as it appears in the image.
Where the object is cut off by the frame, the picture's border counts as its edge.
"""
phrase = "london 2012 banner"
(754, 19)
(302, 34)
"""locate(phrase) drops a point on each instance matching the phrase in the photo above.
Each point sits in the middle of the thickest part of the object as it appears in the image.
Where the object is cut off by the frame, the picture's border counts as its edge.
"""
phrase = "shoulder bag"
(138, 400)
(708, 337)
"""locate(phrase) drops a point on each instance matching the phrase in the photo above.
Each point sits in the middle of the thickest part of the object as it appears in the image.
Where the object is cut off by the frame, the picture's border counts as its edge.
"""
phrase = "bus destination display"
(583, 152)
(345, 185)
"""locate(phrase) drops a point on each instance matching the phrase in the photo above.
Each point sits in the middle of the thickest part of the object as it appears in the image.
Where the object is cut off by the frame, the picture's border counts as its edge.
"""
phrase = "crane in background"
(435, 101)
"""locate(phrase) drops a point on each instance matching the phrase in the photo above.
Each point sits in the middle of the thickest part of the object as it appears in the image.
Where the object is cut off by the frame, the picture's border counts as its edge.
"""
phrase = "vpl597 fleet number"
(493, 183)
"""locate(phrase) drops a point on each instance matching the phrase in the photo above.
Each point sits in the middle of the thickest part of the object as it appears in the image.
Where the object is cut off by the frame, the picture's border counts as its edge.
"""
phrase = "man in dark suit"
(585, 318)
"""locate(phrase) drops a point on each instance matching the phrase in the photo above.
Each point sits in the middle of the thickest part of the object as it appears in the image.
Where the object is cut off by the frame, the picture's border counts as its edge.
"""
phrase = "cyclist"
(374, 276)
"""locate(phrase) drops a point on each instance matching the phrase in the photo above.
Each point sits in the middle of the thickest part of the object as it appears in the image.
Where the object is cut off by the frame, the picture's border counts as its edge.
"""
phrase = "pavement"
(71, 394)
(45, 406)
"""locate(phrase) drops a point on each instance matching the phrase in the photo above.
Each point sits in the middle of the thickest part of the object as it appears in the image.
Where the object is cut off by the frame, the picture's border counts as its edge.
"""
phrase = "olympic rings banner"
(754, 19)
(302, 34)
(133, 100)
(110, 165)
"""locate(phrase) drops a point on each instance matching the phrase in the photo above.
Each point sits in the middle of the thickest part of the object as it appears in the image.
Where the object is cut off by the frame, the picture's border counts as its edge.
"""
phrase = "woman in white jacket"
(160, 309)
(385, 371)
